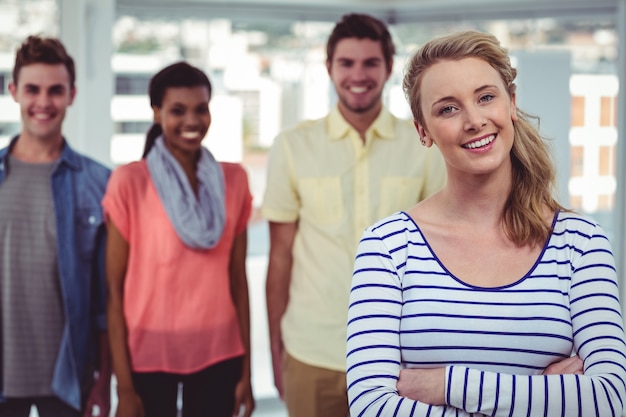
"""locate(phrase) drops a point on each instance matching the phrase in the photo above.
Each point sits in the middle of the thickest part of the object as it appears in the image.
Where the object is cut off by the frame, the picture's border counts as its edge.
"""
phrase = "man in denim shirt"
(53, 343)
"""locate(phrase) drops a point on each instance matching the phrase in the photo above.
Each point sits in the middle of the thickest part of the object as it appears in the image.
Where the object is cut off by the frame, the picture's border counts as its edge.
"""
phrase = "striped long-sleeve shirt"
(408, 310)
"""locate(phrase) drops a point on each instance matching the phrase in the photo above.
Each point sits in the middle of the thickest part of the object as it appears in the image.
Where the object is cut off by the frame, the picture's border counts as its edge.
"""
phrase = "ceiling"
(391, 11)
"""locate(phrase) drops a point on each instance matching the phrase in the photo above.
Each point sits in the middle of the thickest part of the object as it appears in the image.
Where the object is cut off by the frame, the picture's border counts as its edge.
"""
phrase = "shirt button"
(92, 220)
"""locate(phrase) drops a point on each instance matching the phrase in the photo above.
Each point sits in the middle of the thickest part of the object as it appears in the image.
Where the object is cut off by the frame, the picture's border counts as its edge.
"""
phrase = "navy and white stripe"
(407, 310)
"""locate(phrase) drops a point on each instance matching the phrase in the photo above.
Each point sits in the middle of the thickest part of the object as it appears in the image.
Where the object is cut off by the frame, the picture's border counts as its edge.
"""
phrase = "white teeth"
(41, 116)
(358, 90)
(189, 135)
(480, 143)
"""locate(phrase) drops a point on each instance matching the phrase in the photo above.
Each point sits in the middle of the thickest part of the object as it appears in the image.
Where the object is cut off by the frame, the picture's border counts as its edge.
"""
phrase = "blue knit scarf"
(199, 222)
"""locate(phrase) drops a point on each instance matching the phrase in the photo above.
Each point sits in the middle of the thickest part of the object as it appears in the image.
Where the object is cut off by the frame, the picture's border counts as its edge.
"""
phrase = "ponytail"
(154, 132)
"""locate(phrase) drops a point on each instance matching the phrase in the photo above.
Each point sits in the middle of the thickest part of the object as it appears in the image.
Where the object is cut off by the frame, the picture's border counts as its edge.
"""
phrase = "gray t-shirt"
(31, 307)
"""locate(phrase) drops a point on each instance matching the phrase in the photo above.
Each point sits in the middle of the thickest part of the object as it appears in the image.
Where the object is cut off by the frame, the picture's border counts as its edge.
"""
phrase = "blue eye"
(446, 110)
(487, 97)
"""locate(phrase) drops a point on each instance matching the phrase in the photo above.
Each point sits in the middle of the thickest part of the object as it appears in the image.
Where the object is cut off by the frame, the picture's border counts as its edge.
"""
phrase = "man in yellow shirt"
(329, 179)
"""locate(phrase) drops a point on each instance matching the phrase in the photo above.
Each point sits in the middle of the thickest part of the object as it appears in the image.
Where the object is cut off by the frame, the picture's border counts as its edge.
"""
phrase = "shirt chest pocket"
(322, 200)
(89, 223)
(399, 193)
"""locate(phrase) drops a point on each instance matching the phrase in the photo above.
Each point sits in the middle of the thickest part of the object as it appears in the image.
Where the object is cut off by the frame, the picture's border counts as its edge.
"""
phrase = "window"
(10, 128)
(578, 111)
(577, 164)
(608, 111)
(132, 127)
(606, 161)
(575, 202)
(606, 202)
(132, 84)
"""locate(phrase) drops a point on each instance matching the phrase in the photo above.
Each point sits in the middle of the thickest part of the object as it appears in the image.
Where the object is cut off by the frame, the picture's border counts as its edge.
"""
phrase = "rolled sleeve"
(281, 202)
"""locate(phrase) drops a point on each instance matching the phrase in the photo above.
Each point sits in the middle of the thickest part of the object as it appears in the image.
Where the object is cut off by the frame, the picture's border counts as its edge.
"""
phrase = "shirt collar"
(68, 156)
(382, 128)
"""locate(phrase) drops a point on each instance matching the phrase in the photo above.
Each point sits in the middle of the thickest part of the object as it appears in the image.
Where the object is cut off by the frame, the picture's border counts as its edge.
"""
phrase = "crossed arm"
(379, 383)
(428, 385)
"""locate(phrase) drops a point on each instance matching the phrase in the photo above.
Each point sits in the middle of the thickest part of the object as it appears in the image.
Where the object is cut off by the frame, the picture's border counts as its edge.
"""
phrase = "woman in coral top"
(178, 305)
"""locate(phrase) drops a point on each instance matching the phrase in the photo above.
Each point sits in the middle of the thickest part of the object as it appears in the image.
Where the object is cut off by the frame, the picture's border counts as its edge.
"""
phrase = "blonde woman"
(488, 298)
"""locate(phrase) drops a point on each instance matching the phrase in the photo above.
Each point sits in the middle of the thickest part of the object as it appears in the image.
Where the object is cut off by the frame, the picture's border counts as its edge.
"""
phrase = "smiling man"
(329, 179)
(53, 344)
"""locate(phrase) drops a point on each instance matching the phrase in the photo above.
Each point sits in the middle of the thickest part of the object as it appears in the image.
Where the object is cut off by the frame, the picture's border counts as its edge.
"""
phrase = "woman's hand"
(129, 404)
(423, 385)
(571, 365)
(244, 398)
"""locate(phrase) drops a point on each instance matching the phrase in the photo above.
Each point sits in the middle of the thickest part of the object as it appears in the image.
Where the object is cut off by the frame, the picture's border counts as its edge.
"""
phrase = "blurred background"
(266, 60)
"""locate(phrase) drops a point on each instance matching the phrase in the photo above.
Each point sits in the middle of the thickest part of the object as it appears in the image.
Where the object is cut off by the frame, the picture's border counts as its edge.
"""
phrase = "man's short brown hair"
(361, 26)
(42, 50)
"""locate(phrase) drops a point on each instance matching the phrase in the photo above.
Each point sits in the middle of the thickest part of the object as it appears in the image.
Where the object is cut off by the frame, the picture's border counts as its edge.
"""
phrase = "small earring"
(423, 141)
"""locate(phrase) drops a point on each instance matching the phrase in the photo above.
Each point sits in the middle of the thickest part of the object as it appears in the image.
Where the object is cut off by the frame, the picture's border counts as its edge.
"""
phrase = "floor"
(265, 407)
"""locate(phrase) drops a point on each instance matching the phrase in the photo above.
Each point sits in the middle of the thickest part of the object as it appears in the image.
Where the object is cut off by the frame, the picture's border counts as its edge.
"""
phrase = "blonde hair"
(533, 177)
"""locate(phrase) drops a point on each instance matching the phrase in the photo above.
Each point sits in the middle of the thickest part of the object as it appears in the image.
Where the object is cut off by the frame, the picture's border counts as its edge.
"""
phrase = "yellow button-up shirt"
(324, 176)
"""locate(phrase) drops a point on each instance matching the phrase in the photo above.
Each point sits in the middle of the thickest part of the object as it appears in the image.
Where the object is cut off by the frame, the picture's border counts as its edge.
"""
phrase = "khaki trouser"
(310, 391)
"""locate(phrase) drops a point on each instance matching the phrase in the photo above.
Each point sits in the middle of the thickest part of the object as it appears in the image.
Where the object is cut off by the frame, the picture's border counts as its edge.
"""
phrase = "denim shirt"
(78, 185)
